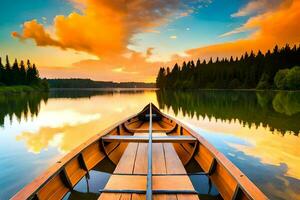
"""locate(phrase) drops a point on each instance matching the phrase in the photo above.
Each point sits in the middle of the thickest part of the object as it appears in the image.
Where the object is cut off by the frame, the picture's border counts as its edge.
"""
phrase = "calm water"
(257, 131)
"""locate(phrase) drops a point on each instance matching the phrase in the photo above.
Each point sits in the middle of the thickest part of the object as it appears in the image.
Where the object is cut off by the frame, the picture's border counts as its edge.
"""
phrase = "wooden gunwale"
(30, 190)
(243, 183)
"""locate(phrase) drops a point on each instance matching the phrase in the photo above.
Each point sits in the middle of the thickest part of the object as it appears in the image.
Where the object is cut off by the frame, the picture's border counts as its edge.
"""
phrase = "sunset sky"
(128, 40)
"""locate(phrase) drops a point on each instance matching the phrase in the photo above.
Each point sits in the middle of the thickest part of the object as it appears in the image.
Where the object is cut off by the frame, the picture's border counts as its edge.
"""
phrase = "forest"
(18, 74)
(276, 69)
(88, 83)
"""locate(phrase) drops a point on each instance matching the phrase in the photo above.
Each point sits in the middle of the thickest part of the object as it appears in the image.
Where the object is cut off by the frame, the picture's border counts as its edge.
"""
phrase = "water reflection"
(271, 175)
(69, 119)
(21, 106)
(279, 111)
(88, 93)
(36, 132)
(257, 131)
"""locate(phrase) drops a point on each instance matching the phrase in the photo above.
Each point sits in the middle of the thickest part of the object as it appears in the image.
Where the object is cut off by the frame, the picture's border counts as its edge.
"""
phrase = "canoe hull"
(58, 180)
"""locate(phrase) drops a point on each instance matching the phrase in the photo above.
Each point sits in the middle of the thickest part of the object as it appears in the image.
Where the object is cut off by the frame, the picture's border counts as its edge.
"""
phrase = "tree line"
(248, 71)
(18, 73)
(88, 83)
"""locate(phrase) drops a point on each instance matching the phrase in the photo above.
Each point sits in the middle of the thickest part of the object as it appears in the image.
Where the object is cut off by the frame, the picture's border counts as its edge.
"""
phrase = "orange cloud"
(103, 27)
(32, 29)
(279, 26)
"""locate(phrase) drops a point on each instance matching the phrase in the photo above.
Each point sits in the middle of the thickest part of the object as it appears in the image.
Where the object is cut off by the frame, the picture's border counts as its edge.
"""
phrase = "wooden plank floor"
(164, 161)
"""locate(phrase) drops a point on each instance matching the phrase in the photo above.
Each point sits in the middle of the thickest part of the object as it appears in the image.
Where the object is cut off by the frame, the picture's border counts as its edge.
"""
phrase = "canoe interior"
(182, 161)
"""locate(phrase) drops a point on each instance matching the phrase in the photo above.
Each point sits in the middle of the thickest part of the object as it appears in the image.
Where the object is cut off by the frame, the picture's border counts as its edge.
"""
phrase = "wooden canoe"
(150, 151)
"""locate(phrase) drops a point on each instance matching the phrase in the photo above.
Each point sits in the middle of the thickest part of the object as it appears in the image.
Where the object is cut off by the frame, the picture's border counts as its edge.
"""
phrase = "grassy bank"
(20, 89)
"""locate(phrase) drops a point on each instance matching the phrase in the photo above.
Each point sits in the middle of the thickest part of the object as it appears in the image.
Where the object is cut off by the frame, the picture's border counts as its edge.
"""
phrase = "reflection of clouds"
(64, 138)
(56, 140)
(269, 147)
(268, 176)
(61, 117)
(46, 136)
(59, 124)
(274, 149)
(66, 123)
(292, 193)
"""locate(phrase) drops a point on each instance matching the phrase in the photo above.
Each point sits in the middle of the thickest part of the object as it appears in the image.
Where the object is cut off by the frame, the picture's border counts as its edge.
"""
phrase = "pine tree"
(22, 73)
(7, 74)
(29, 77)
(16, 79)
(1, 72)
(35, 74)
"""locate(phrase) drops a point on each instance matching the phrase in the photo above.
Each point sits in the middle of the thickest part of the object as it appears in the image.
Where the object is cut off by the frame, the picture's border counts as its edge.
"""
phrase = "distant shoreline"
(88, 83)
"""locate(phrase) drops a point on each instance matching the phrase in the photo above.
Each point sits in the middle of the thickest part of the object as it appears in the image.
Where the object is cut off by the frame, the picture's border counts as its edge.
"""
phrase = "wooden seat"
(145, 139)
(171, 183)
(134, 163)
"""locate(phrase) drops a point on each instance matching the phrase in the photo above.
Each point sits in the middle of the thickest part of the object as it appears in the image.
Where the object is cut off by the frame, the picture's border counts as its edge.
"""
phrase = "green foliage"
(248, 72)
(280, 79)
(288, 79)
(263, 83)
(293, 78)
(17, 75)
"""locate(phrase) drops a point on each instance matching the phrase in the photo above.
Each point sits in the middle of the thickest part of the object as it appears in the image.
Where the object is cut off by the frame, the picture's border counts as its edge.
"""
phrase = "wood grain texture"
(165, 161)
(92, 155)
(74, 171)
(155, 139)
(54, 189)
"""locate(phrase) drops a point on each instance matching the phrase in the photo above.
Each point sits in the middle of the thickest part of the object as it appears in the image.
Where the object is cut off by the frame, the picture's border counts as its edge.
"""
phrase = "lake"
(257, 131)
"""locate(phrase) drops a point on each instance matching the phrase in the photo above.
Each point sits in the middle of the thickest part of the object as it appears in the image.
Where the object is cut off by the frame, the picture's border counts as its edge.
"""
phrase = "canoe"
(150, 152)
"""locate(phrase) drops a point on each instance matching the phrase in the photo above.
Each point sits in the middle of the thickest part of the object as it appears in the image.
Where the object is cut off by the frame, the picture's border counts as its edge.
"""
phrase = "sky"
(129, 40)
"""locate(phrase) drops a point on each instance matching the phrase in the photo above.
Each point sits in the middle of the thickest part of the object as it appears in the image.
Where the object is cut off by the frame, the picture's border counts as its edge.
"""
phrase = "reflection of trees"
(287, 103)
(279, 111)
(22, 105)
